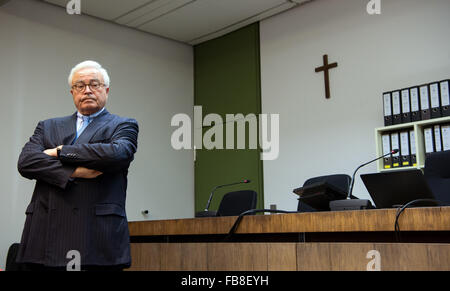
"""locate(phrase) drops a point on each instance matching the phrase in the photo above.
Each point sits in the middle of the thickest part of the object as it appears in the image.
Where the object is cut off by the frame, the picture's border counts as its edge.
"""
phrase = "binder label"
(414, 99)
(394, 143)
(412, 142)
(404, 143)
(428, 135)
(396, 102)
(445, 98)
(434, 95)
(405, 101)
(424, 103)
(446, 137)
(437, 138)
(387, 104)
(386, 144)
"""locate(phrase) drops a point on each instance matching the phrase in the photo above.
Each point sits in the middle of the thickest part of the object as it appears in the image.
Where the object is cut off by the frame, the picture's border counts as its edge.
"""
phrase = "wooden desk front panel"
(287, 256)
(376, 220)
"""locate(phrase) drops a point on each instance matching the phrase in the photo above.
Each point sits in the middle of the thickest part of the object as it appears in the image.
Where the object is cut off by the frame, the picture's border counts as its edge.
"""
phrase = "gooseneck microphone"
(354, 173)
(206, 212)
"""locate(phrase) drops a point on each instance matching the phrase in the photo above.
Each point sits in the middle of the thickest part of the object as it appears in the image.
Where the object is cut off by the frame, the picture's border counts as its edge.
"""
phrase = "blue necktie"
(84, 124)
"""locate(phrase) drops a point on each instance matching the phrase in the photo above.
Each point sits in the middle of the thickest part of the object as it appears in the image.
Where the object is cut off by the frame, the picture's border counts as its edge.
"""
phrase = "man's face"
(89, 100)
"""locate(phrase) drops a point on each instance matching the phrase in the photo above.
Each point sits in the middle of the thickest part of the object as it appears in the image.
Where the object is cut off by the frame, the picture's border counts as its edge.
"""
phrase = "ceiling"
(187, 21)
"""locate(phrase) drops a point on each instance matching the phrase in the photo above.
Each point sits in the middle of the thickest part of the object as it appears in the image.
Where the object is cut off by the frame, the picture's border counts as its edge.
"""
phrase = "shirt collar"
(92, 115)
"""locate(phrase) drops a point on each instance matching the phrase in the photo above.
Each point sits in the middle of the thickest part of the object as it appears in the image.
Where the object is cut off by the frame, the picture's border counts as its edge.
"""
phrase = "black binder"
(445, 135)
(429, 140)
(412, 147)
(386, 144)
(415, 103)
(445, 97)
(395, 144)
(437, 138)
(406, 106)
(396, 108)
(435, 100)
(424, 102)
(405, 156)
(387, 108)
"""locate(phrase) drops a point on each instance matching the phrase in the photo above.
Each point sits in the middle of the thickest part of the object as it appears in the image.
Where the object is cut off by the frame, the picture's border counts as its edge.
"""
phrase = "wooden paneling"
(414, 219)
(237, 257)
(280, 256)
(146, 256)
(183, 257)
(288, 256)
(353, 256)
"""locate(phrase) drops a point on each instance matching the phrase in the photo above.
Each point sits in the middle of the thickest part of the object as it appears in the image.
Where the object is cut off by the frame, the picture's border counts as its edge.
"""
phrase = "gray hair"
(89, 64)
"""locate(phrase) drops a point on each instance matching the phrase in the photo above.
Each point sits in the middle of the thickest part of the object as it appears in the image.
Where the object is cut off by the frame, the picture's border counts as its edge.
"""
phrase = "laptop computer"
(396, 188)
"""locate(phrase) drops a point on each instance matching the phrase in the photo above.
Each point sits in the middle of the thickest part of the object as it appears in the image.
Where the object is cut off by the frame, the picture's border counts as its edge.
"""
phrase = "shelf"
(421, 123)
(418, 127)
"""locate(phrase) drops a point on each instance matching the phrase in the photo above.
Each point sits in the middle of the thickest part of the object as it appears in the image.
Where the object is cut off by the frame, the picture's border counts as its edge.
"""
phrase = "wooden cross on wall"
(325, 68)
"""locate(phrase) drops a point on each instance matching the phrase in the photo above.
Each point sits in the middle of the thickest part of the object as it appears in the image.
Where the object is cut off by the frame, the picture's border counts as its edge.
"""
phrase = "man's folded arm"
(105, 157)
(33, 163)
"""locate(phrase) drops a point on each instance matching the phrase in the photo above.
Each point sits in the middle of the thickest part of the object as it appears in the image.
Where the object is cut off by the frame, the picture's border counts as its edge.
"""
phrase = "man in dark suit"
(80, 164)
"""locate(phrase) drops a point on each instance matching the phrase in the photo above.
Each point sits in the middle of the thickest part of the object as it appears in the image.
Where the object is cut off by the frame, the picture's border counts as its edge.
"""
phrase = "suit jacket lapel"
(66, 129)
(98, 122)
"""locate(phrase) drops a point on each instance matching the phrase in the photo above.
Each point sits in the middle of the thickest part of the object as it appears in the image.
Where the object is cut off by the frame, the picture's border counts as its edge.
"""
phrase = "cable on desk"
(251, 211)
(403, 207)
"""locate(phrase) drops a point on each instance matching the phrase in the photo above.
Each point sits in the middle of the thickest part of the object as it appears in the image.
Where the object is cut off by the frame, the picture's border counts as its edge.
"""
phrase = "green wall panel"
(227, 81)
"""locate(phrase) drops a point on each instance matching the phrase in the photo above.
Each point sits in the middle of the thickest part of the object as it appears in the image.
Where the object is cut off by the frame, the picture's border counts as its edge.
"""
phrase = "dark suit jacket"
(87, 215)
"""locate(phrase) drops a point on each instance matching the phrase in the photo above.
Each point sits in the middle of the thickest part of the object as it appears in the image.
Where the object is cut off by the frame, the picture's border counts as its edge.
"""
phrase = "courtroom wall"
(151, 80)
(406, 45)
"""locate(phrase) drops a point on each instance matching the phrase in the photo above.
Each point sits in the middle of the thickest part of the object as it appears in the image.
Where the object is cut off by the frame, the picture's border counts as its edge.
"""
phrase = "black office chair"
(340, 181)
(11, 264)
(234, 203)
(437, 174)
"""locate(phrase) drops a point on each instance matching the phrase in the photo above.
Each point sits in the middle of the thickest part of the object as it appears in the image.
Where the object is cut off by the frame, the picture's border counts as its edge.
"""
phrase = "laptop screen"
(391, 189)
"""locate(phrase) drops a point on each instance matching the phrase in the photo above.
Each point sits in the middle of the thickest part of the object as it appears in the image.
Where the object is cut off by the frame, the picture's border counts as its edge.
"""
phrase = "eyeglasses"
(95, 85)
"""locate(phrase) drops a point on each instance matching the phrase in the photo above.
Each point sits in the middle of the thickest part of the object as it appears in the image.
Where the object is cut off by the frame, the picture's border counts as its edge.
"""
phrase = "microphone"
(206, 212)
(354, 173)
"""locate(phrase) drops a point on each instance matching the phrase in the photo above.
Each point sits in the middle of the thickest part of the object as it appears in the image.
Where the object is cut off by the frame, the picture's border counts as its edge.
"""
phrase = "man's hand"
(53, 152)
(82, 172)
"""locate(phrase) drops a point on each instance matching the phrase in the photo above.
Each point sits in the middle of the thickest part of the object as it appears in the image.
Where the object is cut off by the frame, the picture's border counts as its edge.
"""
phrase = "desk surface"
(374, 220)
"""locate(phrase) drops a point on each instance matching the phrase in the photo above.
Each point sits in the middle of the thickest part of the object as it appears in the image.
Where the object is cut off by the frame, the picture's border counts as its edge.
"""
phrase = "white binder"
(445, 134)
(412, 146)
(429, 141)
(445, 97)
(437, 138)
(395, 145)
(386, 142)
(396, 108)
(435, 100)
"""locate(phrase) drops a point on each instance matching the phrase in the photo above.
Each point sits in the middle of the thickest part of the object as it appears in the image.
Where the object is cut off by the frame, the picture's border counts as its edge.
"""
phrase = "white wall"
(406, 45)
(151, 80)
